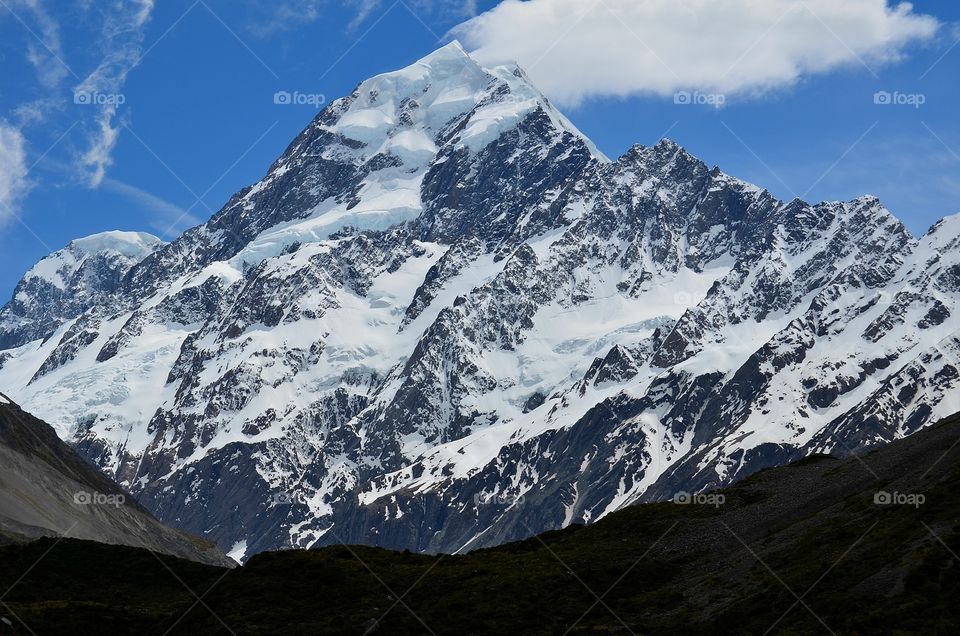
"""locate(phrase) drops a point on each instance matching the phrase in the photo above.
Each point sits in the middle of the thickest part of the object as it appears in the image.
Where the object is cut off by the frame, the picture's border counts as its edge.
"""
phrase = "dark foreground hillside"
(47, 490)
(804, 549)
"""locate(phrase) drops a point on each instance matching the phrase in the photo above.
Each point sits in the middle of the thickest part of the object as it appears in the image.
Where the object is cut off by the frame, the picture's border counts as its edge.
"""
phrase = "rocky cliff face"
(445, 320)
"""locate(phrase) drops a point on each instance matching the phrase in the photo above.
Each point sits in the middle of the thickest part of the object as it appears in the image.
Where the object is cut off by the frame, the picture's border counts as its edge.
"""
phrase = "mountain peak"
(663, 147)
(426, 94)
(667, 144)
(130, 244)
(450, 63)
(422, 99)
(67, 282)
(944, 232)
(452, 50)
(664, 154)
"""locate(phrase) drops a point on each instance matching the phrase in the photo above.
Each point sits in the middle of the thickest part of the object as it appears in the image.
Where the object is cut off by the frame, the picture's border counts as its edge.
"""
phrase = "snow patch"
(239, 551)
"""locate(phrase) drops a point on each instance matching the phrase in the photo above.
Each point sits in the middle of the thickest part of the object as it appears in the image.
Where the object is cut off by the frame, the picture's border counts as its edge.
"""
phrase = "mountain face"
(46, 490)
(444, 320)
(68, 282)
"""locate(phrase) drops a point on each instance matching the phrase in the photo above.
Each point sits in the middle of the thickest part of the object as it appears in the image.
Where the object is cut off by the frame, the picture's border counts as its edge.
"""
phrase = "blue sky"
(197, 81)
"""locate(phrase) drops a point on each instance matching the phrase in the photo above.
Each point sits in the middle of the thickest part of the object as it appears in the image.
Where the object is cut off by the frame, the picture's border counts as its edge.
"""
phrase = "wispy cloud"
(102, 89)
(575, 49)
(35, 111)
(13, 169)
(165, 218)
(284, 15)
(45, 52)
(278, 16)
(364, 9)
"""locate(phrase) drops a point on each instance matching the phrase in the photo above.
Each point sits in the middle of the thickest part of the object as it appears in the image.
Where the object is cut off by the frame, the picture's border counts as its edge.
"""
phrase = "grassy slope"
(660, 568)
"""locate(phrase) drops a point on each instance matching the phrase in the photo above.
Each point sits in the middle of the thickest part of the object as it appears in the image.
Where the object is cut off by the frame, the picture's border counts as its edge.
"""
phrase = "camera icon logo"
(882, 97)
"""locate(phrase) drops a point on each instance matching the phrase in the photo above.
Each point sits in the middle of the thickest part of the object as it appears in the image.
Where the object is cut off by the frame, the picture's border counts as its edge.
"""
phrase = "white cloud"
(98, 156)
(121, 47)
(36, 111)
(364, 8)
(46, 55)
(167, 219)
(13, 169)
(576, 49)
(44, 52)
(284, 16)
(277, 16)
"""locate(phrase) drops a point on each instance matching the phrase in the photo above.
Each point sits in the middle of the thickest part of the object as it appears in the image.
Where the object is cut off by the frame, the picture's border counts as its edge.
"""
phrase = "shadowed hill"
(804, 549)
(48, 490)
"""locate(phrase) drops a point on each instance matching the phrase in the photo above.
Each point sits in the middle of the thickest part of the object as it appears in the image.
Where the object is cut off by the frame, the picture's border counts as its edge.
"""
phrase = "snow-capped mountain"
(68, 282)
(444, 320)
